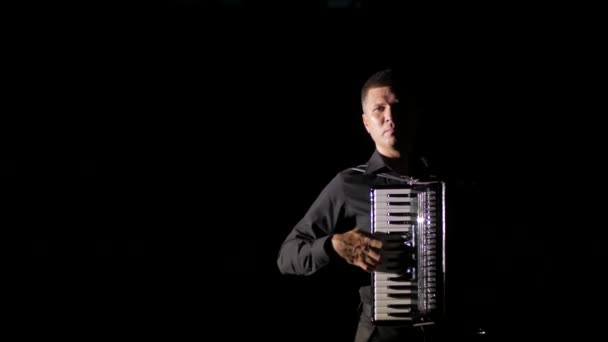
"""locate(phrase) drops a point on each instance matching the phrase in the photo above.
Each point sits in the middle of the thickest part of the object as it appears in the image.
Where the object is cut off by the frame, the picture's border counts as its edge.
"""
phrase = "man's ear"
(365, 123)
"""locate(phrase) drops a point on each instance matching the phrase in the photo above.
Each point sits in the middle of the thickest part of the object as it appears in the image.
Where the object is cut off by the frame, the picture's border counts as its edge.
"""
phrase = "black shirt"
(342, 205)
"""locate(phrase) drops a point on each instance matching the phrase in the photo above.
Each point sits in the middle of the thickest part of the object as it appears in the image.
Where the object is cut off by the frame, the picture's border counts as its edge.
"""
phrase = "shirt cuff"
(322, 251)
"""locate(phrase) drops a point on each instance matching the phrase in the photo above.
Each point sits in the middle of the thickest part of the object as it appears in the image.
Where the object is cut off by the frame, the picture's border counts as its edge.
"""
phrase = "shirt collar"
(376, 164)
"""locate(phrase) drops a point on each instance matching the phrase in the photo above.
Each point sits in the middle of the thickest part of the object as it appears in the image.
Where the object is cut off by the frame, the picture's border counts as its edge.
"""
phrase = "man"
(336, 227)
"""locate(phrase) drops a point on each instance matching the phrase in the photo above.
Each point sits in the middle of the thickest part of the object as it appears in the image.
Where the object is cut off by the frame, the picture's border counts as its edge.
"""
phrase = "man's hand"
(358, 248)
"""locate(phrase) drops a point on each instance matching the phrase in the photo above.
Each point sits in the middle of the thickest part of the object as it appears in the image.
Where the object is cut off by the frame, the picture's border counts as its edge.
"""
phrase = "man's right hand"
(358, 248)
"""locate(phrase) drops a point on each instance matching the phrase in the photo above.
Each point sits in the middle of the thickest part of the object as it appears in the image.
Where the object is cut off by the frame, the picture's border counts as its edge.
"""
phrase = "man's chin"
(391, 141)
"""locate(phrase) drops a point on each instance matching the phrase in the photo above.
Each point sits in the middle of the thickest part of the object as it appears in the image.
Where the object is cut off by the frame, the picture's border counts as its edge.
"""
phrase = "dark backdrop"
(171, 154)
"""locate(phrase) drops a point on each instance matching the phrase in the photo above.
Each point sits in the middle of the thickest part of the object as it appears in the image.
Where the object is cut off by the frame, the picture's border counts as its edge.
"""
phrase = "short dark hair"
(382, 78)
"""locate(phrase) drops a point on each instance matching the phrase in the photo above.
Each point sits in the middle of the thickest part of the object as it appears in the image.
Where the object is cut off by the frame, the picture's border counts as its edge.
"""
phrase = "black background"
(162, 153)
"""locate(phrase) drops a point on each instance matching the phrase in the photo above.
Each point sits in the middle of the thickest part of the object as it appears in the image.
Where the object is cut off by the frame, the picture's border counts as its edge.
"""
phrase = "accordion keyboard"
(408, 286)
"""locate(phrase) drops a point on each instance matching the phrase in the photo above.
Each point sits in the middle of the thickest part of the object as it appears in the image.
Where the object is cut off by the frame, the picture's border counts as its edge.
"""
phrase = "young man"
(336, 228)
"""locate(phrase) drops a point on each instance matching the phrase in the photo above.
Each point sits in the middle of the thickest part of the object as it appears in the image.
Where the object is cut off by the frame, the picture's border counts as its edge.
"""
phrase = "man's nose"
(388, 114)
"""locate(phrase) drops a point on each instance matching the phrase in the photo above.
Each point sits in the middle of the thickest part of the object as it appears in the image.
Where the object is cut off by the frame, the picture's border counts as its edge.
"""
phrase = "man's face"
(380, 115)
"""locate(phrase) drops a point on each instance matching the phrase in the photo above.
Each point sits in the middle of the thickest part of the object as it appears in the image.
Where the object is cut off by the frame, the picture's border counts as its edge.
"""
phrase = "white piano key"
(385, 310)
(395, 210)
(412, 219)
(389, 290)
(391, 226)
(411, 301)
(380, 276)
(404, 284)
(383, 316)
(384, 199)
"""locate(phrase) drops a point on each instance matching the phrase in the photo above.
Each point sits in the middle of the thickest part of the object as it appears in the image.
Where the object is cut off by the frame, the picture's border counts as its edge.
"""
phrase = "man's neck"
(389, 152)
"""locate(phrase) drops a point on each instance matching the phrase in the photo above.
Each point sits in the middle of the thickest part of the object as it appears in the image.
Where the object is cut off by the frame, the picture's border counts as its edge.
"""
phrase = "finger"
(366, 267)
(366, 263)
(373, 256)
(375, 243)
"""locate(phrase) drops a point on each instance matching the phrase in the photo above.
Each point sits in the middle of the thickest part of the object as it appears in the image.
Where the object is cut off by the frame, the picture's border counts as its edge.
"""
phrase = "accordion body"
(408, 287)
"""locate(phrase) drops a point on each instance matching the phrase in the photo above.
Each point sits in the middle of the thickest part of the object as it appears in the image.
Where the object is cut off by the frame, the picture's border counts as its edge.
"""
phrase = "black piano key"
(400, 287)
(399, 203)
(399, 295)
(398, 214)
(403, 277)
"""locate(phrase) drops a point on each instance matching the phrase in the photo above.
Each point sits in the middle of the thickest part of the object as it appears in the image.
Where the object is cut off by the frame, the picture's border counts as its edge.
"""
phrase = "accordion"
(408, 287)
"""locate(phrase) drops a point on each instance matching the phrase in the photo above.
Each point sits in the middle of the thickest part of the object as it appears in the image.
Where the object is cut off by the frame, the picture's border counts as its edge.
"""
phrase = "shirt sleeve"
(307, 247)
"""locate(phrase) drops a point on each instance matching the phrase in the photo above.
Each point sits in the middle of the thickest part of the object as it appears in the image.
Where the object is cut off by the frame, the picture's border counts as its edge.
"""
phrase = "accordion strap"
(360, 168)
(410, 180)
